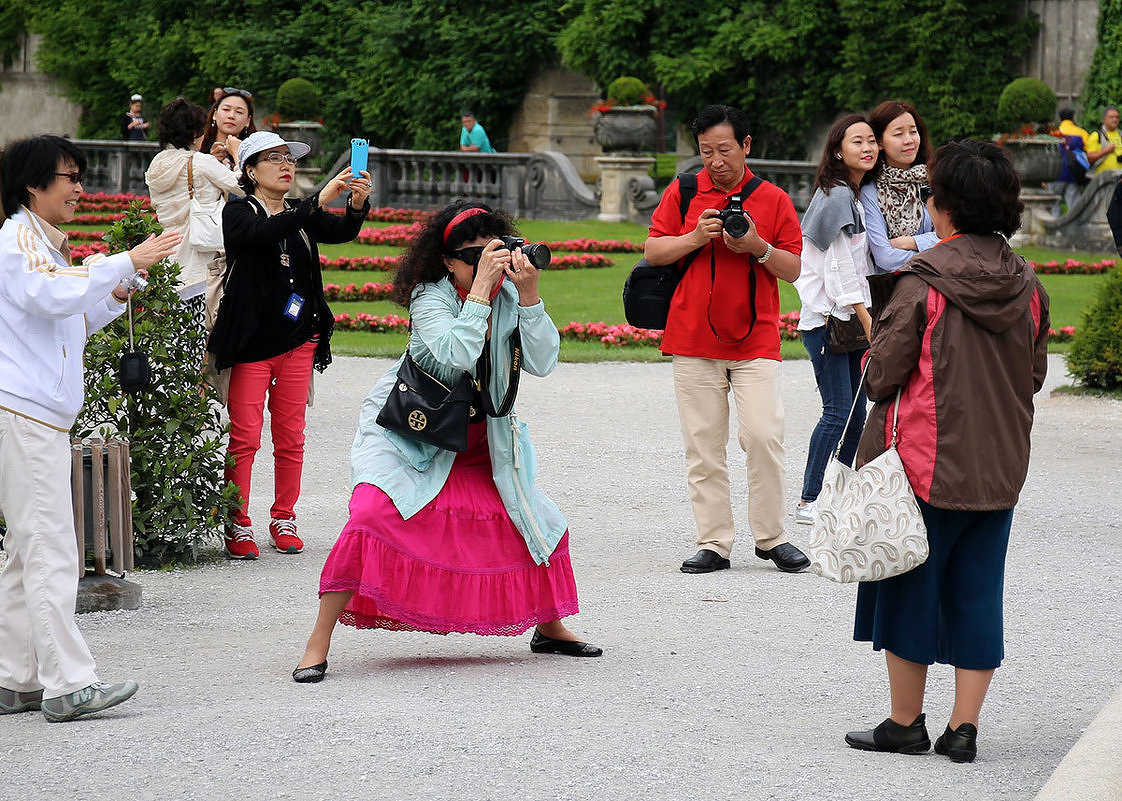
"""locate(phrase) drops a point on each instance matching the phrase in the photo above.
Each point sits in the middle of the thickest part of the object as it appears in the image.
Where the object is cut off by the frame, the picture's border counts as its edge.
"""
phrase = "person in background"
(215, 96)
(182, 125)
(274, 325)
(962, 333)
(472, 137)
(455, 542)
(229, 119)
(897, 223)
(723, 332)
(48, 308)
(1075, 140)
(832, 283)
(134, 128)
(1104, 146)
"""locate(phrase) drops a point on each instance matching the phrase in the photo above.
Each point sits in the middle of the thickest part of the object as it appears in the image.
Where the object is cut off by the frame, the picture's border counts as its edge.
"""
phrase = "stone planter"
(1037, 160)
(302, 131)
(626, 129)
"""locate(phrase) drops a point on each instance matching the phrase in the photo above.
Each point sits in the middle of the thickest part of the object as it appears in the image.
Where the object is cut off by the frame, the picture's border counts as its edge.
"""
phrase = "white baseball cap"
(267, 140)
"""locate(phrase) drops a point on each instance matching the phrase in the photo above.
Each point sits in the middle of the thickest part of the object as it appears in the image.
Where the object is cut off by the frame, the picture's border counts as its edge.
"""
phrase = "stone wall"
(30, 101)
(1064, 45)
(554, 117)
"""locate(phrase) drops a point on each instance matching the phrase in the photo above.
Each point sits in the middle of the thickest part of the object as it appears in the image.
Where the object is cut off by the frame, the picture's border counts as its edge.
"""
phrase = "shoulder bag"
(422, 407)
(844, 336)
(204, 230)
(868, 525)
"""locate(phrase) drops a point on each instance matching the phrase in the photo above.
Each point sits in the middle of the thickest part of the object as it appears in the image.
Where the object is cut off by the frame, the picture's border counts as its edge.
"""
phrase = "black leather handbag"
(844, 336)
(422, 407)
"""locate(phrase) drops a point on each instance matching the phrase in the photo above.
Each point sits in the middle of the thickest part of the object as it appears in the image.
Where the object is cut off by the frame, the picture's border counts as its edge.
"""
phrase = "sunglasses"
(233, 90)
(278, 158)
(925, 193)
(469, 256)
(75, 177)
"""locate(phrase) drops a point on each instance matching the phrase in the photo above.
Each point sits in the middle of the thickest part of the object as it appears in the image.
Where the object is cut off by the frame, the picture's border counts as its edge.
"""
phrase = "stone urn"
(1038, 160)
(302, 131)
(626, 129)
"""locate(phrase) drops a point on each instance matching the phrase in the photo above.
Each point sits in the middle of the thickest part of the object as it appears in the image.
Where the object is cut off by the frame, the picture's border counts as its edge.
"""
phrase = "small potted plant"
(625, 120)
(298, 112)
(1026, 109)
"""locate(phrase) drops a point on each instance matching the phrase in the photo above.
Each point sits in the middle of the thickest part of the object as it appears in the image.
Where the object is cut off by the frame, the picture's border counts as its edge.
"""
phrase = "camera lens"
(736, 225)
(538, 254)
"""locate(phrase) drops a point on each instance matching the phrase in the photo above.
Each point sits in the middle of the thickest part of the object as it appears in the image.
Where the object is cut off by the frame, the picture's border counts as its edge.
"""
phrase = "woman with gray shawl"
(898, 223)
(835, 263)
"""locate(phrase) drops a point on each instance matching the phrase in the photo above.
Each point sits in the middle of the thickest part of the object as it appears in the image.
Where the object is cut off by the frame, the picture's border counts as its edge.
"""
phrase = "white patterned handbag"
(868, 525)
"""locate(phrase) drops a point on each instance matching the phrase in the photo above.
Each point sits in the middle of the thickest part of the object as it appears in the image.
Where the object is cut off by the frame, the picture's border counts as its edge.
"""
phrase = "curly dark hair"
(424, 261)
(831, 168)
(180, 122)
(978, 186)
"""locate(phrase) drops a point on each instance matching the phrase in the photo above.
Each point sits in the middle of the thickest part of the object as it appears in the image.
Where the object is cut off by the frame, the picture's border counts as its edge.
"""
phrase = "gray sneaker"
(12, 701)
(91, 699)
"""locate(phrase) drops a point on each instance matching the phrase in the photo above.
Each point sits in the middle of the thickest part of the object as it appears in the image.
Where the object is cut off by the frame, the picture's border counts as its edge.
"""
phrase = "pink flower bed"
(103, 201)
(360, 263)
(1073, 267)
(388, 323)
(368, 291)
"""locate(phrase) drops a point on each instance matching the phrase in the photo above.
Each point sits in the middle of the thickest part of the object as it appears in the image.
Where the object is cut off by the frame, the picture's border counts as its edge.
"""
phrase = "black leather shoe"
(960, 744)
(705, 561)
(893, 738)
(540, 644)
(787, 558)
(311, 674)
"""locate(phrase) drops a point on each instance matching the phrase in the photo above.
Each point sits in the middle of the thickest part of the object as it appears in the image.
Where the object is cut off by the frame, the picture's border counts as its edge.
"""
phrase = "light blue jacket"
(887, 259)
(447, 339)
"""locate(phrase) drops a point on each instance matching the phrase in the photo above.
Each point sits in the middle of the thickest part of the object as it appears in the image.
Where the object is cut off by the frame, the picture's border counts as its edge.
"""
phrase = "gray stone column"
(618, 174)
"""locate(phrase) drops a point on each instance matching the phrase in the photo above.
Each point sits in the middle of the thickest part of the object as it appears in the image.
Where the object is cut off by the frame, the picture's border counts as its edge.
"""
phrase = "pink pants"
(285, 379)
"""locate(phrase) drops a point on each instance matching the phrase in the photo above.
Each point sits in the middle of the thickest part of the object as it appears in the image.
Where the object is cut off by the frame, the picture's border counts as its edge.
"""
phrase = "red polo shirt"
(723, 293)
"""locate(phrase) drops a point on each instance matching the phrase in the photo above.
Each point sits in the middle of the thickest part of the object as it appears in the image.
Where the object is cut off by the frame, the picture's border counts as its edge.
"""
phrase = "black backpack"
(648, 289)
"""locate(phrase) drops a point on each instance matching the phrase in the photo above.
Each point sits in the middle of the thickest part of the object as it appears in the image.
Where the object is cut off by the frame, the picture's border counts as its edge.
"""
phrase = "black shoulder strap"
(687, 188)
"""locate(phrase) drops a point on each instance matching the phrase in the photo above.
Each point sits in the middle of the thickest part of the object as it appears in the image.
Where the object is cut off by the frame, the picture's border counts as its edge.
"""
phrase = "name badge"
(293, 307)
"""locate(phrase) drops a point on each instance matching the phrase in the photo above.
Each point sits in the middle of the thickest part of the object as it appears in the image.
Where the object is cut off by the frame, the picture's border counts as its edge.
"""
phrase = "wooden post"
(97, 461)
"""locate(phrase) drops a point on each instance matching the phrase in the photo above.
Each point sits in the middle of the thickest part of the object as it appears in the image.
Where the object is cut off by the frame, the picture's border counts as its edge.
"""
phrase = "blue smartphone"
(360, 151)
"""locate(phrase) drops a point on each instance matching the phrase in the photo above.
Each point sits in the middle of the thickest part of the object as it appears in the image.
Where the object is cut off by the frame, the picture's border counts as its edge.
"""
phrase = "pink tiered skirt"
(458, 565)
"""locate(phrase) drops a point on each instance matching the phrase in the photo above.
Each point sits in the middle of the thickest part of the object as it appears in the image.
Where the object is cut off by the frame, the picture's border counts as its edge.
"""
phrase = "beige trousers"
(702, 388)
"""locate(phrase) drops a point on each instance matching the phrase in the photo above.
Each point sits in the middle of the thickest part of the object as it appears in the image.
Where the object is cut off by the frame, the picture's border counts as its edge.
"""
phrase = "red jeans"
(285, 379)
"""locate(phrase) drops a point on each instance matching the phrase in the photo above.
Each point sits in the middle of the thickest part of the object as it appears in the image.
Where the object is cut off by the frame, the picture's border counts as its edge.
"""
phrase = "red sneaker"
(240, 543)
(284, 536)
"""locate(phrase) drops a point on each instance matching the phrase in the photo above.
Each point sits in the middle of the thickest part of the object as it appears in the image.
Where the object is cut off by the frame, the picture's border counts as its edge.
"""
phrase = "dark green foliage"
(627, 91)
(1026, 101)
(174, 429)
(298, 99)
(1103, 84)
(1095, 358)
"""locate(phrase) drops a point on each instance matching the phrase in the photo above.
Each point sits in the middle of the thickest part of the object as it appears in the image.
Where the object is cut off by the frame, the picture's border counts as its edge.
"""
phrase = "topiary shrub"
(627, 91)
(1026, 101)
(298, 99)
(1095, 358)
(174, 428)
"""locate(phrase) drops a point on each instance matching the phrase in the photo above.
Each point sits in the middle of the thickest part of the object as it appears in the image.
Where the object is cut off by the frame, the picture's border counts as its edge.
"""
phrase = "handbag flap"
(431, 388)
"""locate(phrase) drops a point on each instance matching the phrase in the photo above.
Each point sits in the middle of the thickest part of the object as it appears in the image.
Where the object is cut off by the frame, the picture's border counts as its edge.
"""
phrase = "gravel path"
(736, 685)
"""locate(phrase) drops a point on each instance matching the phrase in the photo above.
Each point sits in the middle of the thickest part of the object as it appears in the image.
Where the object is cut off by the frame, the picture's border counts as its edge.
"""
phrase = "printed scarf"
(898, 198)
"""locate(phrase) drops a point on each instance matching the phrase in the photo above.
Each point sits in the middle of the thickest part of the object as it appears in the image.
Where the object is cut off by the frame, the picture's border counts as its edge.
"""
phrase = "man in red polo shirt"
(723, 332)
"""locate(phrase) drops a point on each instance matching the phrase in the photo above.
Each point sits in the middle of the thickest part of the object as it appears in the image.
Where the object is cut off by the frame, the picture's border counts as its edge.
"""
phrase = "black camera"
(537, 252)
(733, 218)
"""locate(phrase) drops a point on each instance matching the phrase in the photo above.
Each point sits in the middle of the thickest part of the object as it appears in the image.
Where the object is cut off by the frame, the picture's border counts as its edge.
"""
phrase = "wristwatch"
(767, 254)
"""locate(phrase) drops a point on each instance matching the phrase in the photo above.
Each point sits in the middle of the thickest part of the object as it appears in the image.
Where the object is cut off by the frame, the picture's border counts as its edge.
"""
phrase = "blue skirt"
(949, 609)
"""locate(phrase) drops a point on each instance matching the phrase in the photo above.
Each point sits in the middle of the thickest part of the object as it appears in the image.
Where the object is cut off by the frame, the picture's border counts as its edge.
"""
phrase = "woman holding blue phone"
(274, 325)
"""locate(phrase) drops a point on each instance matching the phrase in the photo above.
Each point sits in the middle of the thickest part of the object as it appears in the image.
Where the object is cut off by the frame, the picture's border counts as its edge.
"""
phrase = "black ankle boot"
(960, 744)
(890, 736)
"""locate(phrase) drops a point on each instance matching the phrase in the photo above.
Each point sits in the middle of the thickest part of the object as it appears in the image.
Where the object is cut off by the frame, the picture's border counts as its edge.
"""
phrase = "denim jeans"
(838, 376)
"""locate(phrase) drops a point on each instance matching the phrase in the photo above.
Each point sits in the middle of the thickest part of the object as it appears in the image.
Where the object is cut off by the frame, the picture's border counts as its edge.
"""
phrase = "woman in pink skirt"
(455, 542)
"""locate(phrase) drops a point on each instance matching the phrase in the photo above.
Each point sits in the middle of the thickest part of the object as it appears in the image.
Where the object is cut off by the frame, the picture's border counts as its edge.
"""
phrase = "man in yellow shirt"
(1104, 146)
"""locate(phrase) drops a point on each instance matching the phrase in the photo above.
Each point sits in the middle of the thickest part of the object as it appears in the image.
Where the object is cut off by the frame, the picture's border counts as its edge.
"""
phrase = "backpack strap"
(687, 188)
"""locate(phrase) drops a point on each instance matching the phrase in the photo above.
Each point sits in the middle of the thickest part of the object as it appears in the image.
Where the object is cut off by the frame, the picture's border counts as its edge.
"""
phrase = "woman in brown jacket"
(962, 332)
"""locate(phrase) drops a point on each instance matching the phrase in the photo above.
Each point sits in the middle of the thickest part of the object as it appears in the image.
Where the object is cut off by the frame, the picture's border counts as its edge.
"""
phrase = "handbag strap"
(857, 397)
(190, 177)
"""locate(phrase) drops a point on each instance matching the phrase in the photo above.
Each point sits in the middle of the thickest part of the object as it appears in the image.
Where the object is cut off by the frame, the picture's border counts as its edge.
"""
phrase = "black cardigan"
(251, 325)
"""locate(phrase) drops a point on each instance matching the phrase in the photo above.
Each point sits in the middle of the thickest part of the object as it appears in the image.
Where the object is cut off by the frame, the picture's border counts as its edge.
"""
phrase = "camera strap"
(484, 373)
(749, 188)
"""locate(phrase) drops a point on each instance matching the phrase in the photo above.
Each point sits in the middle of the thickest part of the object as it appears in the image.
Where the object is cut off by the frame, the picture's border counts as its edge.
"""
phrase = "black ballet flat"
(540, 644)
(311, 674)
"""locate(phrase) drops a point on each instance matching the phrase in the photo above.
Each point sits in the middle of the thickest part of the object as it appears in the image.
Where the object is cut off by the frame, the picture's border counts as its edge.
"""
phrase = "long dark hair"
(831, 168)
(883, 115)
(212, 126)
(424, 261)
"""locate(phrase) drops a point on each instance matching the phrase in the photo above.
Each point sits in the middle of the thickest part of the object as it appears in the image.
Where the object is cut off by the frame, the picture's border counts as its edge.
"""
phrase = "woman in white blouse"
(835, 264)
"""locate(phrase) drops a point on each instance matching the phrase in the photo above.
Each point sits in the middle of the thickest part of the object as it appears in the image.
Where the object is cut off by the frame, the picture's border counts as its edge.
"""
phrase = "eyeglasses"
(925, 193)
(469, 256)
(278, 158)
(75, 177)
(233, 90)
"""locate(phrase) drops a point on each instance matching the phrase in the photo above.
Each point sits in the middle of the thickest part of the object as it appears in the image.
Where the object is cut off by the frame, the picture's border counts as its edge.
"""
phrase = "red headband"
(459, 218)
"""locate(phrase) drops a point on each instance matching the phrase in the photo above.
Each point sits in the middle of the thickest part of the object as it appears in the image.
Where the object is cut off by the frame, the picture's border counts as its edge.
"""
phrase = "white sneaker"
(804, 513)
